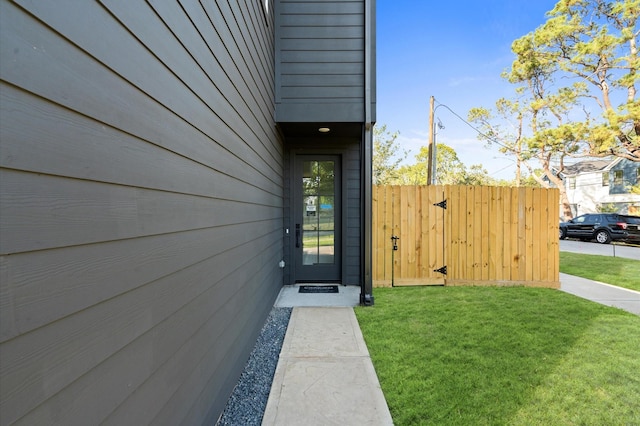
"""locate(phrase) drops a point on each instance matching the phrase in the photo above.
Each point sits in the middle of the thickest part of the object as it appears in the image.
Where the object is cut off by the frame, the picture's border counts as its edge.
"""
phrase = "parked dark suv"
(602, 227)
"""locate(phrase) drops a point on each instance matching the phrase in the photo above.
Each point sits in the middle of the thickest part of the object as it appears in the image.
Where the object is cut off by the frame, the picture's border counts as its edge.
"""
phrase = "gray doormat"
(318, 289)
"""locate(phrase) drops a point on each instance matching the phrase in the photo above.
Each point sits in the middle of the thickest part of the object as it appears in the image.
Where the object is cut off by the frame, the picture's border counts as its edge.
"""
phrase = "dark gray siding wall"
(141, 207)
(349, 151)
(320, 61)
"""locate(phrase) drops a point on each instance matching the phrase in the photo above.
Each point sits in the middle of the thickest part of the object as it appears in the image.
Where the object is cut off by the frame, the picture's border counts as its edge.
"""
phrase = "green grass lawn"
(611, 270)
(503, 356)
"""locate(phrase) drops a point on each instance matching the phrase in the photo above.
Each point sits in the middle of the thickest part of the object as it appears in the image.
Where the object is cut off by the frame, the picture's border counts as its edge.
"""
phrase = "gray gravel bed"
(248, 401)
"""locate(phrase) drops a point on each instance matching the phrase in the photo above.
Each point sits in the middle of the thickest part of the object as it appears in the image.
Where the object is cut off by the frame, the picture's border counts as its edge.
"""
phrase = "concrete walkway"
(606, 294)
(290, 297)
(325, 375)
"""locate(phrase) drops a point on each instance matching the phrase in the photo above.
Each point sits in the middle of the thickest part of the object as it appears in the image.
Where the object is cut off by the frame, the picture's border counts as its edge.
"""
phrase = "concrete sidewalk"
(606, 294)
(325, 375)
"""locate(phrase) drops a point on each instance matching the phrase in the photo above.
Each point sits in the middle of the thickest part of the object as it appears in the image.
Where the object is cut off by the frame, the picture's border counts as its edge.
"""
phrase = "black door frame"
(328, 273)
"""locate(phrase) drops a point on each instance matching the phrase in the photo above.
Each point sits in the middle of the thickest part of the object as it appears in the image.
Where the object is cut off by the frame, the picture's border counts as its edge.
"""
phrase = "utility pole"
(430, 147)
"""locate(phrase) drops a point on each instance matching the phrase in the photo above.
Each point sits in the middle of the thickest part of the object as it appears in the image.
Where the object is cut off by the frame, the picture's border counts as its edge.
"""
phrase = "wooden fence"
(465, 235)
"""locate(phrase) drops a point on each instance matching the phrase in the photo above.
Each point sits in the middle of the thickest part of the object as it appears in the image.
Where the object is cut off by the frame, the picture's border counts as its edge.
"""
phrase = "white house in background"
(604, 184)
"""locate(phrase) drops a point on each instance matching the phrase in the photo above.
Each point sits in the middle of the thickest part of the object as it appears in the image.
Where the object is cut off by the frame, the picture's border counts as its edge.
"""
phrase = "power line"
(474, 128)
(502, 169)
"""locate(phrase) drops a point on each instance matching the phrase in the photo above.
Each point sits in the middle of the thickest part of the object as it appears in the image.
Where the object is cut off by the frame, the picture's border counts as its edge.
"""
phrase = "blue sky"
(455, 51)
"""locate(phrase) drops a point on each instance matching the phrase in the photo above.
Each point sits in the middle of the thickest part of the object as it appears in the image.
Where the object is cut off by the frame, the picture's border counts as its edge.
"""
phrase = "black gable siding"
(141, 207)
(320, 61)
(325, 77)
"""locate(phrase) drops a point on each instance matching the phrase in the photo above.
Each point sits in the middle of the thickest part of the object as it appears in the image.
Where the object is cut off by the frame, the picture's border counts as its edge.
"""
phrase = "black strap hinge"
(442, 270)
(442, 204)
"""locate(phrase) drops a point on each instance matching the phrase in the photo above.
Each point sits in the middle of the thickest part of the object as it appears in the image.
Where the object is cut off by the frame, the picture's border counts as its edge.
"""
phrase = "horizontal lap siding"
(320, 60)
(141, 207)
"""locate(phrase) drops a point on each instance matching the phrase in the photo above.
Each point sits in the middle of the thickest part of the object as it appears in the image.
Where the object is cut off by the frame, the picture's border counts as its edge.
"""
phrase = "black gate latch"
(395, 242)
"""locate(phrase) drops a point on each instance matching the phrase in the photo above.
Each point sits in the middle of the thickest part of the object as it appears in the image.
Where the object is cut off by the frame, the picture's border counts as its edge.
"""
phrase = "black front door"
(317, 214)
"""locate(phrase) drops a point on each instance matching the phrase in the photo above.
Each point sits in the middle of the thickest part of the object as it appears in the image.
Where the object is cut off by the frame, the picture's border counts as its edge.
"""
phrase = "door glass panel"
(318, 229)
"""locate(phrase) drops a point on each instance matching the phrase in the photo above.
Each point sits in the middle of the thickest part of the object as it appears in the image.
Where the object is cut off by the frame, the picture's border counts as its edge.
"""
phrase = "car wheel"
(563, 234)
(603, 237)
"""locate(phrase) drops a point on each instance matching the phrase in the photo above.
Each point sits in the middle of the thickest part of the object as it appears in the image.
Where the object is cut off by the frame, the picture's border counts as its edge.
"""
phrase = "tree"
(537, 125)
(595, 42)
(550, 138)
(509, 136)
(525, 180)
(477, 175)
(449, 169)
(387, 156)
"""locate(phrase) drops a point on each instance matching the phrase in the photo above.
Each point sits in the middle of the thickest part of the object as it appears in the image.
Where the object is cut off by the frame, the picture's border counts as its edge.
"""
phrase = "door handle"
(297, 235)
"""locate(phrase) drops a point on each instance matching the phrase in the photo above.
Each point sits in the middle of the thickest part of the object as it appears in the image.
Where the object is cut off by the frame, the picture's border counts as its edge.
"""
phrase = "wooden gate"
(465, 235)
